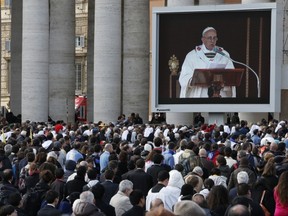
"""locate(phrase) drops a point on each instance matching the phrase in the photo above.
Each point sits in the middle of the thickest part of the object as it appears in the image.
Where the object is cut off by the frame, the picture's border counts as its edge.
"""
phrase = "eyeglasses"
(212, 38)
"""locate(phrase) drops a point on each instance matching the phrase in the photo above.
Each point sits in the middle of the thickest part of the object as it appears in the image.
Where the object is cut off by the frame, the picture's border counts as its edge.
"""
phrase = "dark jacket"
(43, 187)
(135, 210)
(207, 164)
(110, 190)
(122, 168)
(141, 180)
(21, 212)
(105, 208)
(233, 177)
(255, 207)
(155, 169)
(75, 185)
(58, 185)
(31, 180)
(225, 171)
(48, 210)
(266, 183)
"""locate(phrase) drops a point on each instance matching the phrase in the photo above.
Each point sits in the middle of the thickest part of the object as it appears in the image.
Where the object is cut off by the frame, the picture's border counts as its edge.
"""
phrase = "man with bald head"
(238, 210)
(207, 165)
(203, 57)
(104, 157)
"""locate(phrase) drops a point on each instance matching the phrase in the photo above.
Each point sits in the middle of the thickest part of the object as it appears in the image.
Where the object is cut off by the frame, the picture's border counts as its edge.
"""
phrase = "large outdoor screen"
(250, 33)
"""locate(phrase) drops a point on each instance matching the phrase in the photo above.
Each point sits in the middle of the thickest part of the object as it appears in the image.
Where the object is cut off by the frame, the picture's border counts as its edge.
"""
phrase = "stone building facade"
(81, 43)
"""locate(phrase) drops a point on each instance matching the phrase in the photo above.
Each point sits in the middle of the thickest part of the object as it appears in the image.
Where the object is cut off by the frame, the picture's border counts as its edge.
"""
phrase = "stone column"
(35, 56)
(107, 60)
(16, 57)
(62, 64)
(90, 60)
(180, 118)
(136, 58)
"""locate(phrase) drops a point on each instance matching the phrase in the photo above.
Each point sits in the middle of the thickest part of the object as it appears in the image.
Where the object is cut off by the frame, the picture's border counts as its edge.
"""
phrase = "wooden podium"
(216, 79)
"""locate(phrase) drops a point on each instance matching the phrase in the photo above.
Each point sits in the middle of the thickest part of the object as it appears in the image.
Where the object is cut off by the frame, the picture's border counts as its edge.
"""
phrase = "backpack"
(15, 170)
(186, 166)
(96, 160)
(32, 201)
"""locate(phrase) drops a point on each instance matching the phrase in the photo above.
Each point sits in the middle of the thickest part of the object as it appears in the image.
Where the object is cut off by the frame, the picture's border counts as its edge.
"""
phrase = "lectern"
(216, 79)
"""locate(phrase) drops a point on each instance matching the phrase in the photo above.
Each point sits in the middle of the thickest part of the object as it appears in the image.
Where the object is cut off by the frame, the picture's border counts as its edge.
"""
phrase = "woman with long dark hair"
(218, 200)
(265, 184)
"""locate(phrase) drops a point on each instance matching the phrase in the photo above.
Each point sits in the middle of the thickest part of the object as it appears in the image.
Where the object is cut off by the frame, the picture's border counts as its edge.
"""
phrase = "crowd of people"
(129, 168)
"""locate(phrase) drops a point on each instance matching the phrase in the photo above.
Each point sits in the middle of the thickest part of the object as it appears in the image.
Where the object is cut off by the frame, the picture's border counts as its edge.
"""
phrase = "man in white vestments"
(204, 56)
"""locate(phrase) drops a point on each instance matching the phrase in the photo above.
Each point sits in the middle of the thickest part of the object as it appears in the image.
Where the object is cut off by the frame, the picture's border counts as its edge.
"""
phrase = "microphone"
(218, 50)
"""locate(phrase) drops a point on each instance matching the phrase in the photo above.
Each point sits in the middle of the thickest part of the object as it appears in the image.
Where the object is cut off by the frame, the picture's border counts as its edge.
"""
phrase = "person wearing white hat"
(205, 56)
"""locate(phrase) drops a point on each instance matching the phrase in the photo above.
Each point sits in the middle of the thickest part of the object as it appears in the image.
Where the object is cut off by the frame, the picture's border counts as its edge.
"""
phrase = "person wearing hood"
(85, 205)
(170, 194)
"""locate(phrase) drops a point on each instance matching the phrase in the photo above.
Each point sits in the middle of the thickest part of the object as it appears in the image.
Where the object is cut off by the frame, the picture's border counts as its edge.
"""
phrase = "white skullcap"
(207, 29)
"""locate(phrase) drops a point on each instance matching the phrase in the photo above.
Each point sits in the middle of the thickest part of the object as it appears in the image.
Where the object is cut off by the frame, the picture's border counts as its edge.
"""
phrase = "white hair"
(87, 196)
(108, 146)
(124, 185)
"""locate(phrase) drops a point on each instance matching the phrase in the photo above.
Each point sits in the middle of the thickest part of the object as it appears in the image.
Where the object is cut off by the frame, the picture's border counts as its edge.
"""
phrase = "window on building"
(8, 45)
(8, 3)
(80, 41)
(78, 68)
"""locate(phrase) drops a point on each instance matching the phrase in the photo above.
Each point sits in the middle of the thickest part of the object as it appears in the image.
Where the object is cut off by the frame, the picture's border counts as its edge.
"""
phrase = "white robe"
(196, 59)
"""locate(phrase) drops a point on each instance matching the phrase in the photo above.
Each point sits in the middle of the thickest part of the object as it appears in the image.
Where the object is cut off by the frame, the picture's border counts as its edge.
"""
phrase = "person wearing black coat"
(32, 177)
(138, 201)
(140, 179)
(6, 183)
(157, 167)
(52, 199)
(6, 163)
(244, 198)
(46, 177)
(110, 187)
(267, 182)
(59, 184)
(14, 199)
(77, 184)
(98, 191)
